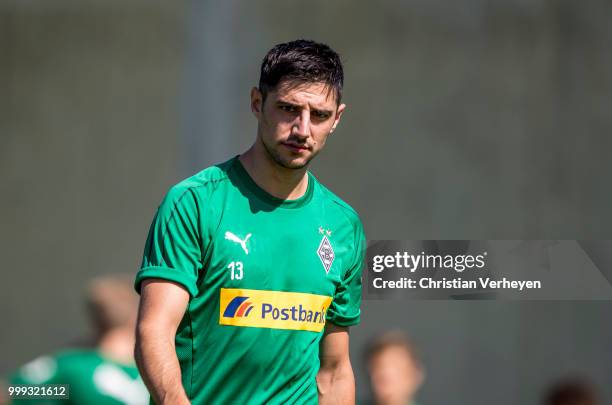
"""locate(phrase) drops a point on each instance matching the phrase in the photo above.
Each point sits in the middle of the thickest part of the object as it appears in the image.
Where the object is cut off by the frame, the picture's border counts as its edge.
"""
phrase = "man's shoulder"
(202, 182)
(70, 358)
(48, 366)
(338, 203)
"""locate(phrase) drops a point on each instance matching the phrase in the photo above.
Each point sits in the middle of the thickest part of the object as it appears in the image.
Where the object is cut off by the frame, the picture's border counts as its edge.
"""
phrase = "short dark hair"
(303, 61)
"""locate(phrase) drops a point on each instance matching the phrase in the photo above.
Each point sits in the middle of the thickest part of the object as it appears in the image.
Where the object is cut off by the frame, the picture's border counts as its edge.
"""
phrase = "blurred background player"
(106, 373)
(571, 391)
(395, 371)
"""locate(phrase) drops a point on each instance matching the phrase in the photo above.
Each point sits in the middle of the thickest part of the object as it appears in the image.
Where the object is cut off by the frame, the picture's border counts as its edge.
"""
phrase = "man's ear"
(339, 112)
(256, 102)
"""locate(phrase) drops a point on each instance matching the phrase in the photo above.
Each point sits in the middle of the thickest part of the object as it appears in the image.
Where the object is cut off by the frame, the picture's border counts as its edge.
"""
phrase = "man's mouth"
(295, 146)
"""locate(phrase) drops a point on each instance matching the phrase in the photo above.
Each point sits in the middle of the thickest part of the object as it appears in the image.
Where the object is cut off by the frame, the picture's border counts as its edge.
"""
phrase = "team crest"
(325, 250)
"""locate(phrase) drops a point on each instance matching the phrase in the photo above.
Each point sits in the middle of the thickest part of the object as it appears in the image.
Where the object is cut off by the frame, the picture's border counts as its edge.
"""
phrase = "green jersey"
(93, 379)
(264, 275)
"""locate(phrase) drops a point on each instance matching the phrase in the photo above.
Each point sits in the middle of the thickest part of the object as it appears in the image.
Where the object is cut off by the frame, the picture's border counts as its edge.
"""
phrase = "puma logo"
(231, 237)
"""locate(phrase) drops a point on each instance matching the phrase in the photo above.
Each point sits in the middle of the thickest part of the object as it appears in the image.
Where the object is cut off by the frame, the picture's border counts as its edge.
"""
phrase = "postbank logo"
(238, 307)
(273, 309)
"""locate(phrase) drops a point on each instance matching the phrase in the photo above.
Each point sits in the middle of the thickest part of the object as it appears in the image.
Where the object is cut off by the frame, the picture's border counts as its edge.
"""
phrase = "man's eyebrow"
(283, 102)
(322, 111)
(318, 110)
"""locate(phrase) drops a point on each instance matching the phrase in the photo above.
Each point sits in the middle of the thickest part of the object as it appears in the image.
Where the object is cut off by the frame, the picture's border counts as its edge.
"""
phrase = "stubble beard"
(278, 158)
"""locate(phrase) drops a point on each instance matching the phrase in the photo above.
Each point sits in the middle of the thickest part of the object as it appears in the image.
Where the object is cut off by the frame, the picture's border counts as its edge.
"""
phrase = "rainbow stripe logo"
(238, 307)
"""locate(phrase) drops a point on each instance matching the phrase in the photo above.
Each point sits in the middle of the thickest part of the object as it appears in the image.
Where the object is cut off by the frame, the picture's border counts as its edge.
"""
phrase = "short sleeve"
(345, 307)
(173, 250)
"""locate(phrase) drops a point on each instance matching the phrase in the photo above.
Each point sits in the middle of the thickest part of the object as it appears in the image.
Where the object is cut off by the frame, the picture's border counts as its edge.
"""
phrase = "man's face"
(394, 376)
(295, 121)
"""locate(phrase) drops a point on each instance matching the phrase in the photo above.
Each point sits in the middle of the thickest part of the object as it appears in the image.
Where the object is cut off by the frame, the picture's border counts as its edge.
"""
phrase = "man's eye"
(288, 108)
(321, 115)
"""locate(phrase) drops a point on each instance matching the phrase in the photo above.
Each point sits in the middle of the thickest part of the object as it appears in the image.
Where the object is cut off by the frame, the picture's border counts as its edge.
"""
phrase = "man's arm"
(162, 305)
(335, 380)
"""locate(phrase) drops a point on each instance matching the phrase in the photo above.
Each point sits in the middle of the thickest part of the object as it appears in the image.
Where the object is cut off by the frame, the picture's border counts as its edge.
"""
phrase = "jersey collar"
(268, 198)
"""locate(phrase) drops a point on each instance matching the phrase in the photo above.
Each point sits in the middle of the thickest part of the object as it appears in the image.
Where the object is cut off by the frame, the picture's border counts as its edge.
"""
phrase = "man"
(395, 371)
(251, 264)
(105, 375)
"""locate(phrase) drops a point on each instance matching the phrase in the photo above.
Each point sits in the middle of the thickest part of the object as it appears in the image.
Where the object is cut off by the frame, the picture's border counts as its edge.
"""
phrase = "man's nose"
(301, 127)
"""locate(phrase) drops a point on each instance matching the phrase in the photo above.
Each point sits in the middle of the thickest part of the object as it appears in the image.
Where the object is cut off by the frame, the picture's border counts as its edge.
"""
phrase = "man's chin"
(294, 164)
(289, 160)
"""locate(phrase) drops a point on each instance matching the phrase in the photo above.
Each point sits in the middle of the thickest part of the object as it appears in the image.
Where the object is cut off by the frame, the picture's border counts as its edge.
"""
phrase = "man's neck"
(283, 183)
(118, 345)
